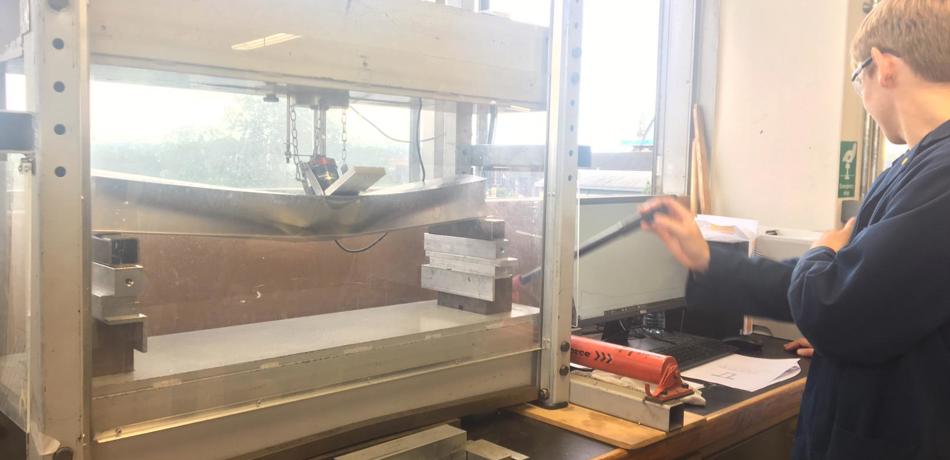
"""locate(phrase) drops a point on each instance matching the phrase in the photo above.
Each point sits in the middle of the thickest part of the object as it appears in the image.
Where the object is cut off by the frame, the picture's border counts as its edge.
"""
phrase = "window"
(16, 92)
(618, 94)
(231, 139)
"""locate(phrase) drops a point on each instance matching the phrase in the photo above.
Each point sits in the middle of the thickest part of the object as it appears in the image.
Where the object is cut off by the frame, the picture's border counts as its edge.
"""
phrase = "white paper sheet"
(727, 229)
(745, 373)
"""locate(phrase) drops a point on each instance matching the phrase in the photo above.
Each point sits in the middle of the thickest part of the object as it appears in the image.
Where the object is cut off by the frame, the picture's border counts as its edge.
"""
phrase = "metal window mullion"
(560, 204)
(3, 85)
(58, 74)
(415, 171)
(675, 74)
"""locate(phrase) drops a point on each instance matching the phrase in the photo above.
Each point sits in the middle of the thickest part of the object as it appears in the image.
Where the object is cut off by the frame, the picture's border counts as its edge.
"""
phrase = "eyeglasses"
(855, 76)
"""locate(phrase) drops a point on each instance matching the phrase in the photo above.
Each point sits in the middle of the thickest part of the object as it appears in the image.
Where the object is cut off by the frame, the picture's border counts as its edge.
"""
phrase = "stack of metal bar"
(468, 266)
(117, 282)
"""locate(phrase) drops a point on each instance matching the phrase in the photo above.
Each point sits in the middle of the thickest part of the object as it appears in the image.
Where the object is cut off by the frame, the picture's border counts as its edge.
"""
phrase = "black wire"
(384, 134)
(357, 251)
(416, 137)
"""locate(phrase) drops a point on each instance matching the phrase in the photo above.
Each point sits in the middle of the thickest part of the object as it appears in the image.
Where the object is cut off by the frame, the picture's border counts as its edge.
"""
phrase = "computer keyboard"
(689, 350)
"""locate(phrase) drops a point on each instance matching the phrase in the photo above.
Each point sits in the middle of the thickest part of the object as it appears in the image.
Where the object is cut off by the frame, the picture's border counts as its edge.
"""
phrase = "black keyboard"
(689, 350)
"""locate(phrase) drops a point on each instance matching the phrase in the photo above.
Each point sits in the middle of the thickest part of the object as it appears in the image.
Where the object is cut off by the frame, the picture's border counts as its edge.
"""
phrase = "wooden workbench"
(703, 432)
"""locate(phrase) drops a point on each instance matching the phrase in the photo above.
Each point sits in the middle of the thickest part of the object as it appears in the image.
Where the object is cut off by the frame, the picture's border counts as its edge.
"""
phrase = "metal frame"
(57, 53)
(58, 49)
(560, 204)
(404, 47)
(3, 85)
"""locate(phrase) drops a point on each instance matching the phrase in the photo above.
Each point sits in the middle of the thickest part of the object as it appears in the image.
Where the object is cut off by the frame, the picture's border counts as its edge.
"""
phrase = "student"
(874, 297)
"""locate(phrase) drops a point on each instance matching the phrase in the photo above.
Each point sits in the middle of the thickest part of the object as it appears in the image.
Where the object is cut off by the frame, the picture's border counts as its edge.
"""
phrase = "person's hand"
(836, 239)
(676, 226)
(801, 347)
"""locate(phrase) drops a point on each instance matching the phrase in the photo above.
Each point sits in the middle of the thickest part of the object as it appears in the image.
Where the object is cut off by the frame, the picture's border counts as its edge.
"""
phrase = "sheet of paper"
(745, 373)
(727, 229)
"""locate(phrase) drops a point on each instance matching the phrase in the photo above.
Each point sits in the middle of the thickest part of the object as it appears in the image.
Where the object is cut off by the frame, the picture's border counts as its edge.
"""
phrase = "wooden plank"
(699, 434)
(723, 428)
(616, 454)
(701, 155)
(602, 427)
(400, 47)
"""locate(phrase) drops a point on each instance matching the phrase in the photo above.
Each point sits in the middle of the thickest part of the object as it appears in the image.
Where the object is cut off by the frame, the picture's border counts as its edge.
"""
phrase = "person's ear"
(885, 68)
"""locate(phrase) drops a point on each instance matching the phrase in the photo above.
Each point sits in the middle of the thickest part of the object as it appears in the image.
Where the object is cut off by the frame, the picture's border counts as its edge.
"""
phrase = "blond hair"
(917, 31)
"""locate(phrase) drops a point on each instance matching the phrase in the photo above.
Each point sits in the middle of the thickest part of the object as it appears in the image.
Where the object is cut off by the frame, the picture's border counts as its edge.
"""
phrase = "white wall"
(781, 91)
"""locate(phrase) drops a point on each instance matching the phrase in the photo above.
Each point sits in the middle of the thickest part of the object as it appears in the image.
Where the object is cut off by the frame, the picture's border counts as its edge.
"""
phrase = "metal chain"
(343, 136)
(288, 153)
(294, 151)
(293, 132)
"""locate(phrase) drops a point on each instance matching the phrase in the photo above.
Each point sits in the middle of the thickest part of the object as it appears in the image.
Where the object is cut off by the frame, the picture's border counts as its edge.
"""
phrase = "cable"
(417, 134)
(387, 136)
(357, 251)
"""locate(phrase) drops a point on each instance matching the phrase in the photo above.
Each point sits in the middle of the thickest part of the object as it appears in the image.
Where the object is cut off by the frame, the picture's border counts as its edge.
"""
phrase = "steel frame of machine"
(62, 38)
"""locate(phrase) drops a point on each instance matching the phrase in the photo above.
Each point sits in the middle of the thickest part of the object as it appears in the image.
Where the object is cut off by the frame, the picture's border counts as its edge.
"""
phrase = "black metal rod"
(624, 227)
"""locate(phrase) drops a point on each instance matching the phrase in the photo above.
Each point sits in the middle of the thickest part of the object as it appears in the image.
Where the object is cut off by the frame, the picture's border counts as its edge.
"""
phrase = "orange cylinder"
(625, 361)
(659, 370)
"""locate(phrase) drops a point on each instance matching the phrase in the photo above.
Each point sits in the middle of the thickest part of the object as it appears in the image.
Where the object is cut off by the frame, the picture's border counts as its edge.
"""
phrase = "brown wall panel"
(195, 283)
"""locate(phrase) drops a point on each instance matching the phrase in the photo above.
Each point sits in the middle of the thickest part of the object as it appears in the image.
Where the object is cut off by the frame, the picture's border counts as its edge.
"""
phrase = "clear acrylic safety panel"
(242, 318)
(14, 282)
(15, 314)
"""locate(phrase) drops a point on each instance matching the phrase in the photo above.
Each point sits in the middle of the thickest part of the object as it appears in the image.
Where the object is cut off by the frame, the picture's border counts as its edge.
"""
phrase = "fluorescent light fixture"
(266, 41)
(518, 108)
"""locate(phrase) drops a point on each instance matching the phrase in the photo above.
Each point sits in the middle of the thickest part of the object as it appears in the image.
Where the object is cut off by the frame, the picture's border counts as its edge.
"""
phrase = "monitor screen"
(629, 276)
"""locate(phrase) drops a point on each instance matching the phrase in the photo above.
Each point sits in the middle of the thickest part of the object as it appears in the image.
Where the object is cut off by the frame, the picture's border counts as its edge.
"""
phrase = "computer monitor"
(630, 276)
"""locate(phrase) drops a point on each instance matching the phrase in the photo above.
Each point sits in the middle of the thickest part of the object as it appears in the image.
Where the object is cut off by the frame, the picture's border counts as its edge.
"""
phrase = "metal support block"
(112, 309)
(118, 281)
(502, 302)
(625, 403)
(488, 228)
(484, 450)
(115, 250)
(464, 284)
(443, 442)
(465, 246)
(498, 268)
(114, 346)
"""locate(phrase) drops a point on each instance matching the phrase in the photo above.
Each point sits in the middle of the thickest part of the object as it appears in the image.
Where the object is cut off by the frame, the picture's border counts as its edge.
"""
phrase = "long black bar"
(624, 227)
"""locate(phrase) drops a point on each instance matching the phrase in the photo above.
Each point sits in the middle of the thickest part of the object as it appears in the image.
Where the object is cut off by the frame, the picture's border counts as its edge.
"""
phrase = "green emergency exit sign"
(847, 169)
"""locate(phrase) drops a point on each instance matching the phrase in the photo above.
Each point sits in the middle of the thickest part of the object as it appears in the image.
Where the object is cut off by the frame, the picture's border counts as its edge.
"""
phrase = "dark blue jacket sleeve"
(889, 288)
(752, 286)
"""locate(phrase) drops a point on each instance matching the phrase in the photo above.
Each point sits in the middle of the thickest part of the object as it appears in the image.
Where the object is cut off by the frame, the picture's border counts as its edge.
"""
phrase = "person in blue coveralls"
(873, 298)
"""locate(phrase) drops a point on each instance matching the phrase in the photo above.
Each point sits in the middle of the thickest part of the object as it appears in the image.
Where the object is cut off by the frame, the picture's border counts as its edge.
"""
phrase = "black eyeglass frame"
(857, 72)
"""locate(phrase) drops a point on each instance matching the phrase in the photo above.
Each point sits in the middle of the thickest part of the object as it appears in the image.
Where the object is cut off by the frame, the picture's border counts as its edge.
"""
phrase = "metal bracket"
(516, 157)
(626, 403)
(27, 163)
